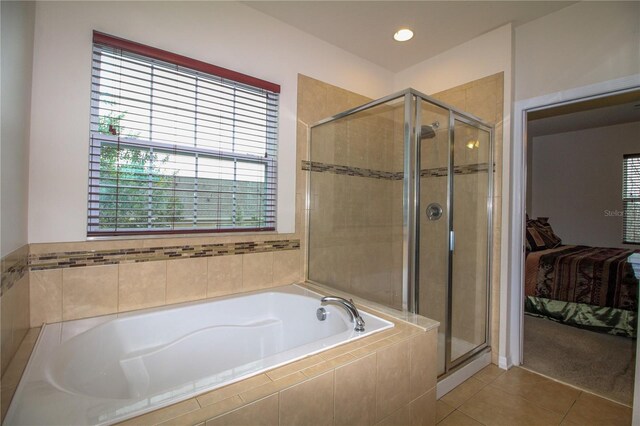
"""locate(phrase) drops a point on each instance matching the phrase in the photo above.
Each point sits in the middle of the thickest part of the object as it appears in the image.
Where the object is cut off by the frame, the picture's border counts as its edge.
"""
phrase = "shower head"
(429, 131)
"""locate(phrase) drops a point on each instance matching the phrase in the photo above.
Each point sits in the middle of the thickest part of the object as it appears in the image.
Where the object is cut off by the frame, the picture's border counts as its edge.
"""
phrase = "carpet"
(599, 363)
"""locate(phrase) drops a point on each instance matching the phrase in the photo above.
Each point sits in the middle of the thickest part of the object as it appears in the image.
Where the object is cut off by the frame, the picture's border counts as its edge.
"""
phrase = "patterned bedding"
(581, 274)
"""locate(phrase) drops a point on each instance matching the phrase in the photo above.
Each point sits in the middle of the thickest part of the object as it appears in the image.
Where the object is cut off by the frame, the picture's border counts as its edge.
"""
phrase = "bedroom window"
(177, 145)
(631, 199)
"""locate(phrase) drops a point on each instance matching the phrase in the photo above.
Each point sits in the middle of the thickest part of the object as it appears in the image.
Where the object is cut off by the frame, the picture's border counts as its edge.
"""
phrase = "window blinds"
(631, 199)
(177, 150)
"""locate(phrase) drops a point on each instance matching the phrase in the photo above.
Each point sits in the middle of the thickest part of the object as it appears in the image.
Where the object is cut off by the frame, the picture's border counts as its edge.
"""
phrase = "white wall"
(581, 50)
(227, 34)
(480, 57)
(585, 43)
(577, 176)
(17, 57)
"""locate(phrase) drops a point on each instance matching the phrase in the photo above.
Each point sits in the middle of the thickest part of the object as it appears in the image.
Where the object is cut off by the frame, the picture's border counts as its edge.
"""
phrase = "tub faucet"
(349, 306)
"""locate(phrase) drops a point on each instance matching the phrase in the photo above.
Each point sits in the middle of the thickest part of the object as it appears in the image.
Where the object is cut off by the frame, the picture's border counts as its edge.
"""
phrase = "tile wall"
(14, 301)
(355, 192)
(90, 279)
(356, 188)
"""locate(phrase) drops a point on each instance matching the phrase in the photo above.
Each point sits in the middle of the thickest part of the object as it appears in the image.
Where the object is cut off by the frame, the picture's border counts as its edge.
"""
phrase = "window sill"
(182, 236)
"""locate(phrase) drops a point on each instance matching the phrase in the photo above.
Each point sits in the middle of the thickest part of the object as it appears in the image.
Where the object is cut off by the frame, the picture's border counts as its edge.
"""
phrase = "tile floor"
(519, 397)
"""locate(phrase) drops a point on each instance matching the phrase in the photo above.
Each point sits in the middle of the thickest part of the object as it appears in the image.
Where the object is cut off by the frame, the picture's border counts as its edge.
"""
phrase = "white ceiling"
(366, 28)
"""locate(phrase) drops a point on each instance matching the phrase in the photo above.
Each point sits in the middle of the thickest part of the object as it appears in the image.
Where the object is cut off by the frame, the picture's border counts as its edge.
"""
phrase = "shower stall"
(399, 213)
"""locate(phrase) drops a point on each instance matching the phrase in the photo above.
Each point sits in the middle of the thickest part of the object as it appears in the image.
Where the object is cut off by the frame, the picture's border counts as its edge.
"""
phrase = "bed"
(589, 287)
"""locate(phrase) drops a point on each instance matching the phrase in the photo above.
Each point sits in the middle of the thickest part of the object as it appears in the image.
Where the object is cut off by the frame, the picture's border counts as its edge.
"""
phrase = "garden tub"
(106, 369)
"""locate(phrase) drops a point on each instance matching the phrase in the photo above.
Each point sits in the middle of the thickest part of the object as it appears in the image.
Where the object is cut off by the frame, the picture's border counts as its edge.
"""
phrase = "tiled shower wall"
(357, 190)
(354, 174)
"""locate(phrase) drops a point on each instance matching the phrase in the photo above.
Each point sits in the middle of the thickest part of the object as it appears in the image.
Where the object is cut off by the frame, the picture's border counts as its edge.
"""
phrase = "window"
(177, 145)
(631, 199)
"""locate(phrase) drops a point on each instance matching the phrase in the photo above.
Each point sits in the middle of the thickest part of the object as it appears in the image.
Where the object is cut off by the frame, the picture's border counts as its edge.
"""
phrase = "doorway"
(579, 293)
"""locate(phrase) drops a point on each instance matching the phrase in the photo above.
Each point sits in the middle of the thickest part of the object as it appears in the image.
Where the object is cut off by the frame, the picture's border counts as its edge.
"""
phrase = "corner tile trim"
(38, 262)
(14, 267)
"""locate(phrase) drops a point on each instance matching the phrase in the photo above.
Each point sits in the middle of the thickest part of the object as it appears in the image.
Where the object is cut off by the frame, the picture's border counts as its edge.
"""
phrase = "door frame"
(514, 327)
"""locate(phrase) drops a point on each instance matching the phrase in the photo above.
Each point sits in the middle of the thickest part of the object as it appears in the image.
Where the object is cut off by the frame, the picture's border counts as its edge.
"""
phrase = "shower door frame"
(411, 210)
(414, 223)
(451, 365)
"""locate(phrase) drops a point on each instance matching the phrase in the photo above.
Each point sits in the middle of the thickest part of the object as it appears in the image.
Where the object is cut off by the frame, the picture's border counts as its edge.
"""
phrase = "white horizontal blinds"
(178, 150)
(631, 198)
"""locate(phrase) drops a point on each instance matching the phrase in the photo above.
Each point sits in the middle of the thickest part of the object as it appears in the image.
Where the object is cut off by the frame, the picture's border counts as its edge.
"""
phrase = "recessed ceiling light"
(403, 34)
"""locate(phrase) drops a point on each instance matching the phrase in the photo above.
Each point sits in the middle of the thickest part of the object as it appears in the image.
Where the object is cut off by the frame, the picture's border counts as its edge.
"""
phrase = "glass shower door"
(470, 241)
(453, 231)
(432, 220)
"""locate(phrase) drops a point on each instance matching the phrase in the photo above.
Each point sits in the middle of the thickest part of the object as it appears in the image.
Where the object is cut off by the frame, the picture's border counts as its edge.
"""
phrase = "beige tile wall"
(357, 248)
(13, 373)
(14, 306)
(351, 221)
(72, 293)
(388, 378)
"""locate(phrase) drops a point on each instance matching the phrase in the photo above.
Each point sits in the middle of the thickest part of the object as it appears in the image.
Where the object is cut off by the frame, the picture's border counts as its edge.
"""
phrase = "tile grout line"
(334, 396)
(575, 387)
(534, 403)
(569, 410)
(484, 385)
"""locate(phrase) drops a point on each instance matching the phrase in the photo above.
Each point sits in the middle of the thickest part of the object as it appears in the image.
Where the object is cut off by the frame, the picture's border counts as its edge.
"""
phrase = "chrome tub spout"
(349, 306)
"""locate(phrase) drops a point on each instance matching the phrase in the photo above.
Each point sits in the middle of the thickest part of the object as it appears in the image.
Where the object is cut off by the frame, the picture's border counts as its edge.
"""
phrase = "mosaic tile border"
(457, 170)
(314, 166)
(75, 259)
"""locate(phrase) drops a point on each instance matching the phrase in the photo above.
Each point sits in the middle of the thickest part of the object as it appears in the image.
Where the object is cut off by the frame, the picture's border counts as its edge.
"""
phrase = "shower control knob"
(434, 211)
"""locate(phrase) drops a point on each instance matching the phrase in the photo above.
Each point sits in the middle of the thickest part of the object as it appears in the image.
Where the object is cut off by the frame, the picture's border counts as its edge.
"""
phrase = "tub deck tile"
(233, 389)
(272, 387)
(351, 346)
(205, 413)
(263, 412)
(328, 365)
(405, 334)
(294, 367)
(163, 414)
(19, 361)
(15, 369)
(335, 352)
(373, 347)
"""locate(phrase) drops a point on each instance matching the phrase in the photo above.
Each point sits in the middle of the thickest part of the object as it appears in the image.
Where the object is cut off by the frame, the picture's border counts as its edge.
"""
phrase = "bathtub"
(106, 369)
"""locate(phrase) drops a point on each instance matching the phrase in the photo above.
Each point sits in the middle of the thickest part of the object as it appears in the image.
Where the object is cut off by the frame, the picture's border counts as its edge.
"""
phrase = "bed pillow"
(543, 226)
(535, 242)
(540, 235)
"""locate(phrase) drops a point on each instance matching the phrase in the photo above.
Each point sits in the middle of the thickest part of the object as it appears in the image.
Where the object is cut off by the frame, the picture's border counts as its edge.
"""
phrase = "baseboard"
(504, 362)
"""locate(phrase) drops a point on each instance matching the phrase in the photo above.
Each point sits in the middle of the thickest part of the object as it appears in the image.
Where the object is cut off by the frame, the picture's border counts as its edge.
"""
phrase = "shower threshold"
(449, 382)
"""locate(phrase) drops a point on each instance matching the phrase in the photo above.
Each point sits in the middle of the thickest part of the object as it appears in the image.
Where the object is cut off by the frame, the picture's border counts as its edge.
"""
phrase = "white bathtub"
(106, 369)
